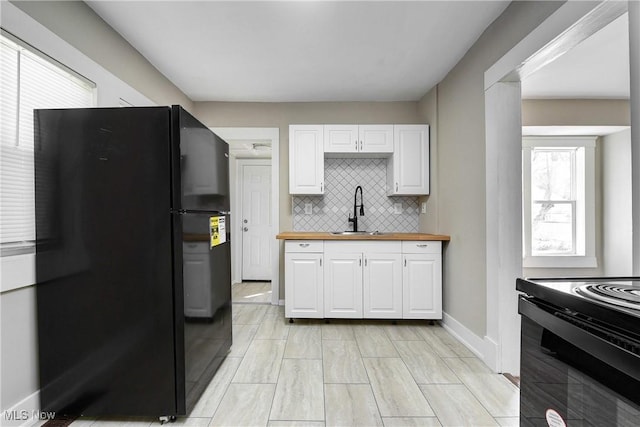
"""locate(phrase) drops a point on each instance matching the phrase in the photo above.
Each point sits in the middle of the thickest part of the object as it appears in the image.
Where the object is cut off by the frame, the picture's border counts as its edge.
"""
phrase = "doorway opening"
(253, 179)
(571, 24)
(254, 172)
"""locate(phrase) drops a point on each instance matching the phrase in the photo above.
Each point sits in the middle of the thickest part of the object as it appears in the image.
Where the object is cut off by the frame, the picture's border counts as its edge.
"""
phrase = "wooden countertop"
(305, 235)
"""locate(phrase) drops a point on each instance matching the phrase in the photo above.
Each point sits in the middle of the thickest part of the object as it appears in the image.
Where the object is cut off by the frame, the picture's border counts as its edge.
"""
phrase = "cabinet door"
(341, 139)
(408, 169)
(196, 277)
(303, 278)
(375, 138)
(306, 159)
(382, 286)
(343, 285)
(422, 286)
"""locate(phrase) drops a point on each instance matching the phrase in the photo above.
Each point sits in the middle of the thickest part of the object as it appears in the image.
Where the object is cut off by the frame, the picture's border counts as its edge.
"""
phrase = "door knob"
(245, 221)
(245, 229)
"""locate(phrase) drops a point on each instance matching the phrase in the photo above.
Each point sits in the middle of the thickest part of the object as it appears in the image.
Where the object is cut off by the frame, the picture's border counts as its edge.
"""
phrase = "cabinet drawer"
(421, 247)
(304, 246)
(367, 246)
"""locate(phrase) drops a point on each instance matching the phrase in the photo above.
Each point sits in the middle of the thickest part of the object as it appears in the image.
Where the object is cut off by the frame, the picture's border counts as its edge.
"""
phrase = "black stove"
(580, 355)
(614, 301)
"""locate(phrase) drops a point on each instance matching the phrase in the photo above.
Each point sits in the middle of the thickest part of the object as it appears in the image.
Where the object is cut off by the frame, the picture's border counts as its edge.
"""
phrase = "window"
(29, 80)
(559, 201)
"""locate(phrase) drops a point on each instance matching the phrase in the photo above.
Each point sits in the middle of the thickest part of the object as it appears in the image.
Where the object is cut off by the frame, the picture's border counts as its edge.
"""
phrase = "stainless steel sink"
(356, 233)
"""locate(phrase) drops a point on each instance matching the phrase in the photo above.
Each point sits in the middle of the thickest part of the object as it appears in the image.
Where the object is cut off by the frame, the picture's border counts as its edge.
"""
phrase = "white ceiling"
(304, 50)
(596, 68)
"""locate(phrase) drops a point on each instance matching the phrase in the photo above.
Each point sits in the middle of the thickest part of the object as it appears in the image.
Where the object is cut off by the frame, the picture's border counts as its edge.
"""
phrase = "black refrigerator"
(133, 258)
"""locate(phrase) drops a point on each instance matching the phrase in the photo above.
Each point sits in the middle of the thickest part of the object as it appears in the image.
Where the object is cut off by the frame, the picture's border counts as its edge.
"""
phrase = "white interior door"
(256, 222)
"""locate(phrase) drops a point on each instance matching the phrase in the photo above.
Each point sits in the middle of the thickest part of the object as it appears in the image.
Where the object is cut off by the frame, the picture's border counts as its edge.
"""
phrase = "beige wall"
(575, 112)
(81, 27)
(461, 162)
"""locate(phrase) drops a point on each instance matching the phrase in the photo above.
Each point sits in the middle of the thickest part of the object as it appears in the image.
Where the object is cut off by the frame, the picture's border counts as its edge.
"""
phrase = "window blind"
(29, 81)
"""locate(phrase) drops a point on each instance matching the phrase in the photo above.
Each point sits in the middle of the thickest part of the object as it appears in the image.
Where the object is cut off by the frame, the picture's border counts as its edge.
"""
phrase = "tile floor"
(345, 373)
(251, 292)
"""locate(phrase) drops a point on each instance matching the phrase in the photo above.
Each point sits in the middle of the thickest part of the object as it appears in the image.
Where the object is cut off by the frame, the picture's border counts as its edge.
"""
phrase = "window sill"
(18, 271)
(560, 262)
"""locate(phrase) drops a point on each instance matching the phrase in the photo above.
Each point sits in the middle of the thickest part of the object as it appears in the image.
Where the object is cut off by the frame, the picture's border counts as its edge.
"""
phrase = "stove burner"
(622, 296)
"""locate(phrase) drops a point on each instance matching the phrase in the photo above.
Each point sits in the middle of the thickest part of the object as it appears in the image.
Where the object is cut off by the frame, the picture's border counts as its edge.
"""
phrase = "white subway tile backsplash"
(342, 176)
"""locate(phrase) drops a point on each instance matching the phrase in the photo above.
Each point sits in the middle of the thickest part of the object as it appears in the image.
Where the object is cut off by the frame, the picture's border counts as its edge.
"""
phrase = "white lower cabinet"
(304, 279)
(382, 286)
(343, 285)
(363, 279)
(422, 280)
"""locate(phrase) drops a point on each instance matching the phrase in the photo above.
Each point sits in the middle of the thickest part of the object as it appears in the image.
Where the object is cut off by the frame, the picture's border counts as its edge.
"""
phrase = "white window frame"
(584, 234)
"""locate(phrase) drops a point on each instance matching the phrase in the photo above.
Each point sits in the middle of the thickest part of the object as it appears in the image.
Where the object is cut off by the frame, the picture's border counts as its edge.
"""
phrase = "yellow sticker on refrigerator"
(217, 230)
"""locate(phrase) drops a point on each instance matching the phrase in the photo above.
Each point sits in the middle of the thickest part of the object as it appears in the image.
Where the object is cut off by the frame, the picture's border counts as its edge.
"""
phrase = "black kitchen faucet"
(354, 220)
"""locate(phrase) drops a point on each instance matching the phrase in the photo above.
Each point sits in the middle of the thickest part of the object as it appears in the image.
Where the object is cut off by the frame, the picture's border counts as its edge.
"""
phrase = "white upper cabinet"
(306, 159)
(408, 168)
(341, 139)
(361, 139)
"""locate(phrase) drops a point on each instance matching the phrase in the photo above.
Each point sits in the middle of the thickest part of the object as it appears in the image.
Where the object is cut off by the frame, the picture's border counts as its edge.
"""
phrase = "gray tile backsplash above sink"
(330, 211)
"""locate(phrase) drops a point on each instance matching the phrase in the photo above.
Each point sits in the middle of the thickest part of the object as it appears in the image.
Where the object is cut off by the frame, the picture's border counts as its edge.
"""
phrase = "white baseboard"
(477, 345)
(25, 413)
(491, 354)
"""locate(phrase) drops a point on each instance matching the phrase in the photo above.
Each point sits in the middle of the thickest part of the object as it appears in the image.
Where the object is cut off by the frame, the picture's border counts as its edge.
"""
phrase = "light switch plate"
(424, 207)
(397, 208)
(308, 208)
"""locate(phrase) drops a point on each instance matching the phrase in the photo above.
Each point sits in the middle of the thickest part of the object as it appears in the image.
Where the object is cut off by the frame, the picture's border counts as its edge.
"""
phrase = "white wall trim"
(27, 412)
(503, 221)
(486, 349)
(564, 29)
(17, 271)
(464, 335)
(491, 353)
(634, 72)
(272, 135)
